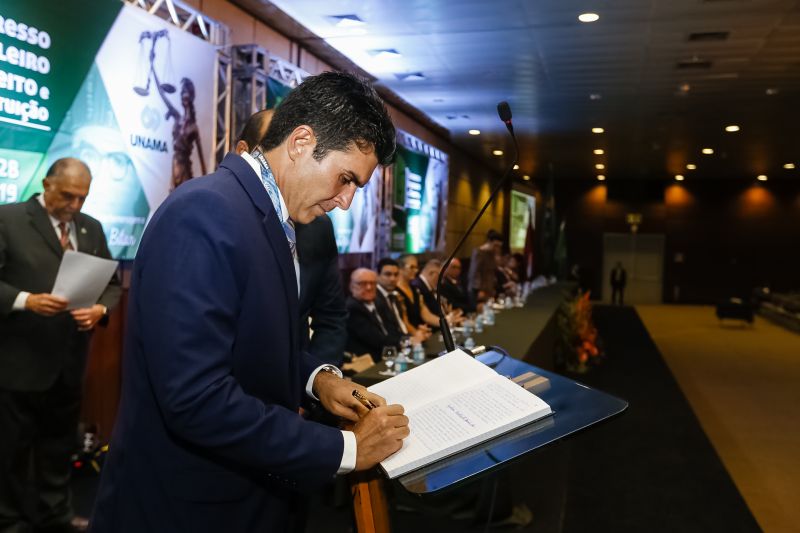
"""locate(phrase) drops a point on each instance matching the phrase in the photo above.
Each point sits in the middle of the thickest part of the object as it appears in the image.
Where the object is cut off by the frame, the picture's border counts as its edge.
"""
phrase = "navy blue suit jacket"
(208, 437)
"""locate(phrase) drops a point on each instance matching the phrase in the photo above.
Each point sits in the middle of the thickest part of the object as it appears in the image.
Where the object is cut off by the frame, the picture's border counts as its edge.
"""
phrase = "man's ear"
(241, 147)
(299, 141)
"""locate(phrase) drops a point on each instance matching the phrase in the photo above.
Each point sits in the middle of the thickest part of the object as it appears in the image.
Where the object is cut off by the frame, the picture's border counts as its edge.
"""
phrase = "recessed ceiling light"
(691, 166)
(588, 17)
(600, 177)
(684, 87)
(761, 177)
(410, 76)
(708, 151)
(384, 53)
(526, 177)
(789, 166)
(598, 151)
(516, 167)
(732, 128)
(474, 132)
(497, 152)
(598, 130)
(599, 166)
(347, 21)
(678, 177)
(595, 96)
(772, 91)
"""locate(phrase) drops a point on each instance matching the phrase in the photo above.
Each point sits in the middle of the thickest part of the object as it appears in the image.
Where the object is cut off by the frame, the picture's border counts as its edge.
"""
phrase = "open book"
(453, 403)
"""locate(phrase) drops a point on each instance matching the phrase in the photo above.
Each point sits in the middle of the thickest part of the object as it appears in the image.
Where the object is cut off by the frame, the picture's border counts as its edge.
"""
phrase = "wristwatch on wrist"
(330, 369)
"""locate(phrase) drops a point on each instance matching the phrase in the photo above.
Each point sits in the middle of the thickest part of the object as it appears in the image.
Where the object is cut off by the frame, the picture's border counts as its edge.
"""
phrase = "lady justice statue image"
(185, 133)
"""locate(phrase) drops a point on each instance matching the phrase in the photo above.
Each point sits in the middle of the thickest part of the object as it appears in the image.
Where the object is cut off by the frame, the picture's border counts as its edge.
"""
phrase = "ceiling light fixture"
(598, 151)
(732, 128)
(691, 166)
(384, 53)
(598, 130)
(497, 152)
(347, 21)
(595, 96)
(600, 177)
(474, 132)
(772, 91)
(516, 167)
(526, 177)
(789, 166)
(588, 17)
(599, 166)
(708, 151)
(761, 177)
(678, 177)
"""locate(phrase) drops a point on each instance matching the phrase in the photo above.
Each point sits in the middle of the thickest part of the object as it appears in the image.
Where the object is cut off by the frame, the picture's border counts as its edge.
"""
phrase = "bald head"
(363, 285)
(253, 131)
(66, 187)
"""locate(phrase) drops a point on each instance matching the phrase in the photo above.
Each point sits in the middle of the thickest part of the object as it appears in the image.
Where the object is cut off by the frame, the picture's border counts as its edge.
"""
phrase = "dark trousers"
(617, 293)
(38, 433)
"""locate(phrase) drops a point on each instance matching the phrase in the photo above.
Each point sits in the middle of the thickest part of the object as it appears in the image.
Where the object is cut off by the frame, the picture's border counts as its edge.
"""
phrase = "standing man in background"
(482, 279)
(619, 278)
(322, 296)
(208, 436)
(43, 349)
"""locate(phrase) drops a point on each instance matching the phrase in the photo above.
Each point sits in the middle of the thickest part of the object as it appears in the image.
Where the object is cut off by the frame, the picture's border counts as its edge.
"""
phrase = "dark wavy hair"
(342, 110)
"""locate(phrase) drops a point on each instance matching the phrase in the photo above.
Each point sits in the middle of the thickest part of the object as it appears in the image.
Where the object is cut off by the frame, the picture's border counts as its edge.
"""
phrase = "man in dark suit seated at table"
(43, 349)
(321, 293)
(208, 436)
(426, 282)
(453, 291)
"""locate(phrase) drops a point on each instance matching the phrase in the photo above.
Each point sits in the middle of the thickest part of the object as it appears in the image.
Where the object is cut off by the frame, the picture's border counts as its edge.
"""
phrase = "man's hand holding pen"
(379, 428)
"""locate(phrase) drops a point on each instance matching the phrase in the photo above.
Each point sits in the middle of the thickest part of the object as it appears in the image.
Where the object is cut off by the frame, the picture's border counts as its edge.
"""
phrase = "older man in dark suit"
(43, 348)
(208, 436)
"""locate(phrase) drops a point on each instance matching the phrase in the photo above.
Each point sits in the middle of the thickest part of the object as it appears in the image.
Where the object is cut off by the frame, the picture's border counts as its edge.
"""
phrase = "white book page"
(433, 380)
(464, 419)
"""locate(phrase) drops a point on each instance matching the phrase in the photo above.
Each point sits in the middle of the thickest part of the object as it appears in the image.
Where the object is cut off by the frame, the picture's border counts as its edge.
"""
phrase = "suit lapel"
(41, 222)
(82, 236)
(276, 237)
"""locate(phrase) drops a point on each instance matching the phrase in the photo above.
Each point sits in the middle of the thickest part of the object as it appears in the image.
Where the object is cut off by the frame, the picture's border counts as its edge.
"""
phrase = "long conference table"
(527, 335)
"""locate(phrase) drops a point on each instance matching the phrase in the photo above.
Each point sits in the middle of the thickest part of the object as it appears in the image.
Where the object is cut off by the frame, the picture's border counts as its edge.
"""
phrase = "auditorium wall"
(722, 236)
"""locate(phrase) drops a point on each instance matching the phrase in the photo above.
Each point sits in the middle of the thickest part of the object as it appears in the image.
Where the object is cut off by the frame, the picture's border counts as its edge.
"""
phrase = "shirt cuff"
(20, 301)
(349, 455)
(310, 382)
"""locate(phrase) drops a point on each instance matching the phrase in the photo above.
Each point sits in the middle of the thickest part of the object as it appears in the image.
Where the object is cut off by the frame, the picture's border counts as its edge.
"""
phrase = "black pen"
(363, 399)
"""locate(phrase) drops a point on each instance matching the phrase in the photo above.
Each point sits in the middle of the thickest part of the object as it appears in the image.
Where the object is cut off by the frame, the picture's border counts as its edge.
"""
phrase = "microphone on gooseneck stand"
(504, 110)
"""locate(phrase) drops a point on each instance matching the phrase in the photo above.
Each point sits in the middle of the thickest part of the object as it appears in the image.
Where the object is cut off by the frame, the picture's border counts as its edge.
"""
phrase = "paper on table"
(82, 278)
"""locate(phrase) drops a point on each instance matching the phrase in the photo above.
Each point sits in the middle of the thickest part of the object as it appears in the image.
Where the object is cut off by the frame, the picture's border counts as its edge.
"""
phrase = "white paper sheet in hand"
(82, 278)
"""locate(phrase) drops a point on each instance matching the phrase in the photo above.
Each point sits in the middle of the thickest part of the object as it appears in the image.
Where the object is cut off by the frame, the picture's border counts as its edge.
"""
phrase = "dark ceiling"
(662, 77)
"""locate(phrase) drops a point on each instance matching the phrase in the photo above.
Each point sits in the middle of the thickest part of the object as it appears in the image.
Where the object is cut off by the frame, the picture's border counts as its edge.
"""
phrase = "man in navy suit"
(321, 293)
(208, 437)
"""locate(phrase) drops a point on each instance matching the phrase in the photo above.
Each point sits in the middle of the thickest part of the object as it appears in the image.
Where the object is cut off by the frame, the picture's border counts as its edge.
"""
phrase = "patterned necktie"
(66, 244)
(268, 180)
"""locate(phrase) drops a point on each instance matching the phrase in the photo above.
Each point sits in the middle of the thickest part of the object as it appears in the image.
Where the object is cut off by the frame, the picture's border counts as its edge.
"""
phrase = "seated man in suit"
(391, 304)
(426, 282)
(368, 330)
(452, 289)
(321, 292)
(208, 437)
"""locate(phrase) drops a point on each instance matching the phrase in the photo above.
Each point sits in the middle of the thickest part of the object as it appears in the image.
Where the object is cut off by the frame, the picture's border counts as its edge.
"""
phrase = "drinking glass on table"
(388, 354)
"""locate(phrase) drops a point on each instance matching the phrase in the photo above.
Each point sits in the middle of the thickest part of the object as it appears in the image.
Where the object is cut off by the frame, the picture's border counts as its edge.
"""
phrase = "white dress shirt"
(348, 463)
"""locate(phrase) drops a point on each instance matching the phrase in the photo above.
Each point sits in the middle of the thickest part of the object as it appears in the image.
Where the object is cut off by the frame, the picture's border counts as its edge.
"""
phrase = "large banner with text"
(419, 212)
(128, 93)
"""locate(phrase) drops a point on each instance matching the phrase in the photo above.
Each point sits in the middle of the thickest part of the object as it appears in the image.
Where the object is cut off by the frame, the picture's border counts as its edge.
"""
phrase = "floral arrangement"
(578, 346)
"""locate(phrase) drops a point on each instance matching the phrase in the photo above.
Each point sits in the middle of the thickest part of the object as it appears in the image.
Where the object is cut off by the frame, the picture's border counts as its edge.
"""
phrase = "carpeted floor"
(744, 385)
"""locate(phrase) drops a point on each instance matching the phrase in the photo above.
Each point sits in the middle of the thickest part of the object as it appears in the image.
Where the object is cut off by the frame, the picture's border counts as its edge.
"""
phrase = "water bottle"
(479, 324)
(419, 354)
(469, 343)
